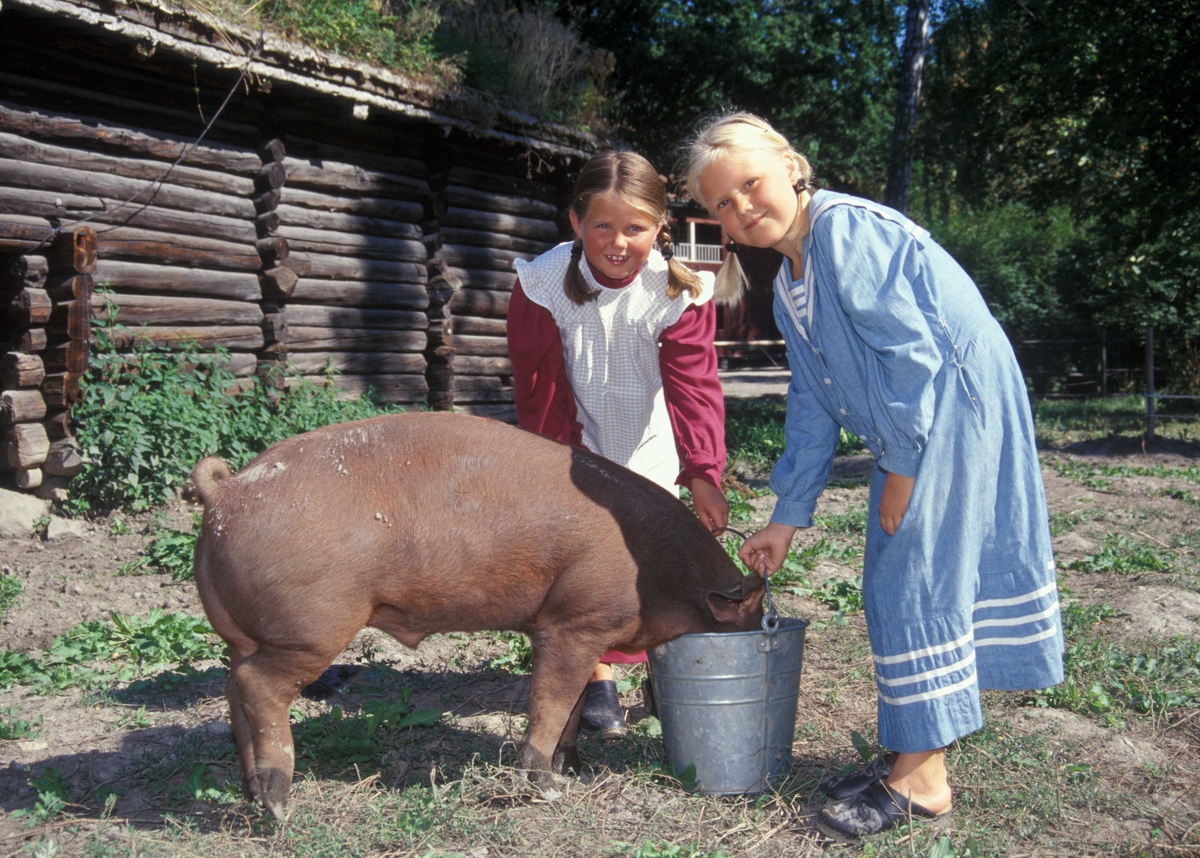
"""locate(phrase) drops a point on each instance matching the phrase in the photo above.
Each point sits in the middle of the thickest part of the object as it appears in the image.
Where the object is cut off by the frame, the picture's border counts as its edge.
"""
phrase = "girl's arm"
(696, 405)
(875, 265)
(544, 401)
(810, 442)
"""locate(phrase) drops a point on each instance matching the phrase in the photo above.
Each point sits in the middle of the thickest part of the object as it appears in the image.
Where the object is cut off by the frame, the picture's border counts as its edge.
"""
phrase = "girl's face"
(617, 238)
(751, 192)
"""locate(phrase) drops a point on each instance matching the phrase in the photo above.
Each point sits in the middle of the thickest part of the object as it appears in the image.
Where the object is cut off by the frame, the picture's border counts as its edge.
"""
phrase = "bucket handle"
(770, 620)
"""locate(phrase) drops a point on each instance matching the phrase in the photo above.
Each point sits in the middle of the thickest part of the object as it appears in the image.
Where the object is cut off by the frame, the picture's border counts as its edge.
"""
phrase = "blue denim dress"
(888, 338)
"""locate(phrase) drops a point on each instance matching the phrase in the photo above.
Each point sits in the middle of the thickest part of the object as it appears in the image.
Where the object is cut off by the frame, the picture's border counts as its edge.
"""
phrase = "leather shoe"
(602, 709)
(839, 787)
(877, 808)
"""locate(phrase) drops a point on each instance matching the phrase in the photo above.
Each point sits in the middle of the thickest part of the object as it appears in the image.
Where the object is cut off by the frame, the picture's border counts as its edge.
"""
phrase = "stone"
(62, 529)
(18, 512)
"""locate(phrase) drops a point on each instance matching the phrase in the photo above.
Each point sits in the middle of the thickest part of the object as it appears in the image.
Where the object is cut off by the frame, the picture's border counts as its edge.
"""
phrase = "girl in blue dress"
(889, 339)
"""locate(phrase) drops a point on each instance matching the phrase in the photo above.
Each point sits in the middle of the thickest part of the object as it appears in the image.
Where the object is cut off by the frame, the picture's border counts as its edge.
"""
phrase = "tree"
(908, 98)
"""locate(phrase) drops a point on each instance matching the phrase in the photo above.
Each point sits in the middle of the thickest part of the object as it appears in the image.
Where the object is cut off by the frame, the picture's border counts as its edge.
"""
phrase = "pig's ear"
(734, 604)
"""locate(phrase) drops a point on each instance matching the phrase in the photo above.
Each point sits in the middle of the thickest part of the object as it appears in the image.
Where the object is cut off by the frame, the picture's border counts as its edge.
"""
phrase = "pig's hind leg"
(259, 689)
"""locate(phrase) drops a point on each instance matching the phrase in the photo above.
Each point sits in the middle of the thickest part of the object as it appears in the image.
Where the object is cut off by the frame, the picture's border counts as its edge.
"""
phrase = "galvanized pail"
(727, 703)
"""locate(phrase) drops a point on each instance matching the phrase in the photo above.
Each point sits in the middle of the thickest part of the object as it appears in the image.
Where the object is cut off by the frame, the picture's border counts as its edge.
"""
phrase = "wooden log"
(61, 389)
(476, 346)
(163, 247)
(30, 308)
(296, 216)
(27, 445)
(532, 228)
(504, 411)
(366, 156)
(352, 268)
(73, 249)
(524, 247)
(273, 250)
(71, 356)
(267, 223)
(138, 277)
(20, 272)
(458, 196)
(272, 175)
(272, 150)
(306, 338)
(503, 184)
(32, 340)
(473, 365)
(28, 478)
(267, 201)
(63, 459)
(370, 207)
(477, 326)
(73, 319)
(23, 234)
(103, 210)
(353, 179)
(52, 125)
(360, 293)
(477, 383)
(171, 310)
(388, 388)
(24, 174)
(241, 337)
(274, 323)
(58, 425)
(488, 258)
(26, 149)
(477, 278)
(278, 282)
(70, 287)
(480, 302)
(359, 363)
(21, 406)
(312, 316)
(352, 244)
(20, 370)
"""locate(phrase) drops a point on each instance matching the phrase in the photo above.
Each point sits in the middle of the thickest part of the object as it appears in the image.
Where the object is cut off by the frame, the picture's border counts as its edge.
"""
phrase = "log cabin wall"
(298, 232)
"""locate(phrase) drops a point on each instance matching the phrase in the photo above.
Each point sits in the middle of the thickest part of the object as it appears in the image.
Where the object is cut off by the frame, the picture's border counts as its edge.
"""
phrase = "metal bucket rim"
(790, 624)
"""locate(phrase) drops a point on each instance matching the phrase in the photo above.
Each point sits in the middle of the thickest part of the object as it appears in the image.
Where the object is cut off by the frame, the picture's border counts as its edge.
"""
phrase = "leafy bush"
(146, 418)
(169, 551)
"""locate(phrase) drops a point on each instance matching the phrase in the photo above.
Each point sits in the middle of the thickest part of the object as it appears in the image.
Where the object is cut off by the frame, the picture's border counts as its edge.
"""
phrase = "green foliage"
(146, 418)
(339, 739)
(170, 551)
(519, 656)
(1125, 556)
(98, 653)
(53, 796)
(844, 595)
(10, 591)
(754, 434)
(18, 728)
(844, 522)
(1106, 679)
(659, 849)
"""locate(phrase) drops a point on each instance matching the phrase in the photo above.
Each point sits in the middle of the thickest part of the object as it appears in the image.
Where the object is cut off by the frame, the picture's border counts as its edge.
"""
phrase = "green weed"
(844, 522)
(754, 434)
(518, 658)
(342, 740)
(53, 795)
(170, 551)
(1123, 555)
(10, 591)
(17, 728)
(98, 653)
(844, 595)
(1065, 522)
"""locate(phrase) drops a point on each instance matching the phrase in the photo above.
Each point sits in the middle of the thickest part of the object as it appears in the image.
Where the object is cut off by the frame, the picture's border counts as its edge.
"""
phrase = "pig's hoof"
(566, 761)
(273, 788)
(550, 787)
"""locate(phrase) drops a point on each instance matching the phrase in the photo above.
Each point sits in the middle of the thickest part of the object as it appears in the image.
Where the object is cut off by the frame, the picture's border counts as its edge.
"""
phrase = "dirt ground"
(94, 740)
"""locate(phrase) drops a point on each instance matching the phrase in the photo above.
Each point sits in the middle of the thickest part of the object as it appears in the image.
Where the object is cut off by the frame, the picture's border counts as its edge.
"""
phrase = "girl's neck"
(792, 243)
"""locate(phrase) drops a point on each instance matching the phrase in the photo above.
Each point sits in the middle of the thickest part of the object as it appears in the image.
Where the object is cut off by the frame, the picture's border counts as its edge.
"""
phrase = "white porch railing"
(698, 252)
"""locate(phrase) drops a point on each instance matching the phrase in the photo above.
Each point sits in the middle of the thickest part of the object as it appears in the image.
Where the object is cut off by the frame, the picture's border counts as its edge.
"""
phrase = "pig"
(426, 522)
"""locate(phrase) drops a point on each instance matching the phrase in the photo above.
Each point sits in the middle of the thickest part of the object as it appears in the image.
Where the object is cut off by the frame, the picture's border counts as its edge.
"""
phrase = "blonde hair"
(719, 136)
(633, 179)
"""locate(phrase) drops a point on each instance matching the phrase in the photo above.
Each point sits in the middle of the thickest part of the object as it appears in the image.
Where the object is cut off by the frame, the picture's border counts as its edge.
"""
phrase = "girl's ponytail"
(680, 278)
(574, 283)
(731, 279)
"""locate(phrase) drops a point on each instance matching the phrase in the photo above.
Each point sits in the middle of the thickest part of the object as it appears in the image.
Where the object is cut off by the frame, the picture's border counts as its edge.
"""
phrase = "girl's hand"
(893, 503)
(765, 551)
(710, 503)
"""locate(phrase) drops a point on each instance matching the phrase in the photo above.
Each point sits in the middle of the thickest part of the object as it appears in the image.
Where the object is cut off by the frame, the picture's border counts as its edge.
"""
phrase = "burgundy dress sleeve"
(695, 401)
(543, 397)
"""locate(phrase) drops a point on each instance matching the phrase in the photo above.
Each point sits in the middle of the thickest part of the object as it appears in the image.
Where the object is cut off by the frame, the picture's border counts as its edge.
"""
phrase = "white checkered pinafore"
(611, 349)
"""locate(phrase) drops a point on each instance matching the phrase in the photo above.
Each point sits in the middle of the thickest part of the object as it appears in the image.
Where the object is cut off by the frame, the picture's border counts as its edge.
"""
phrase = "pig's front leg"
(562, 663)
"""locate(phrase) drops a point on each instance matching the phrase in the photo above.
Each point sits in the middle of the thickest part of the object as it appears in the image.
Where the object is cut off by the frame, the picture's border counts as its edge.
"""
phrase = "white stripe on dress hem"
(962, 663)
(1015, 600)
(1018, 621)
(924, 651)
(929, 695)
(1028, 639)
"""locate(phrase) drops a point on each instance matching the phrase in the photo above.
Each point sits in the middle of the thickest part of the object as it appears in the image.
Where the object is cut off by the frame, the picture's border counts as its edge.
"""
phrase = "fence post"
(1150, 382)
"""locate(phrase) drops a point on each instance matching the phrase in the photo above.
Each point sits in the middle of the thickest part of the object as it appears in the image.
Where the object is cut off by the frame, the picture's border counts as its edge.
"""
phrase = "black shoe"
(876, 808)
(839, 787)
(602, 709)
(649, 701)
